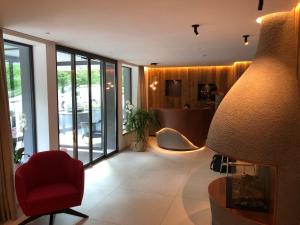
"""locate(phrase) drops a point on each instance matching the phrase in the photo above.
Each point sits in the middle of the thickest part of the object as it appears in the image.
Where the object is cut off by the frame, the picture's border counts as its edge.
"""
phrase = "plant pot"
(139, 146)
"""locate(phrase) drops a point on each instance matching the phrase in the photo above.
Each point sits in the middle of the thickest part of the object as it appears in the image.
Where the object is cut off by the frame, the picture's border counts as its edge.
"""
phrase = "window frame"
(104, 60)
(124, 131)
(32, 92)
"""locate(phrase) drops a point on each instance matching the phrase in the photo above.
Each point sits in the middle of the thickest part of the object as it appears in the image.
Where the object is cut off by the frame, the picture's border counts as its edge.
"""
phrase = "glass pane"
(19, 84)
(65, 108)
(82, 100)
(110, 87)
(97, 126)
(126, 92)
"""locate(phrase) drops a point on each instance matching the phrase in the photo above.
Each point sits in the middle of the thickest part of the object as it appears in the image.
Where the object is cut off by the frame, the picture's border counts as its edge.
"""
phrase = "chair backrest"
(46, 168)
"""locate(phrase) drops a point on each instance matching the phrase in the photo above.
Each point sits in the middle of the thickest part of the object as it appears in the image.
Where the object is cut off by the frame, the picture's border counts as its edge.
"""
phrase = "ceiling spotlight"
(153, 64)
(195, 26)
(260, 5)
(246, 42)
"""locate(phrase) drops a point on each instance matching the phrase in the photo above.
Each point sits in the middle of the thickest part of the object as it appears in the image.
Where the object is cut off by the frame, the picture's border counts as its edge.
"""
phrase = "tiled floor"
(157, 187)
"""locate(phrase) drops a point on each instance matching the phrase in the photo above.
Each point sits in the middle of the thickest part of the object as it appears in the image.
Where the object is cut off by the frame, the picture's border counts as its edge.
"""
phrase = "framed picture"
(207, 92)
(173, 88)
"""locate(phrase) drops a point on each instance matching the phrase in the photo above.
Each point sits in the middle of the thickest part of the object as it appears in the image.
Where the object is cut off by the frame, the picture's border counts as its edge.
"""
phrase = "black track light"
(153, 64)
(246, 42)
(195, 26)
(260, 5)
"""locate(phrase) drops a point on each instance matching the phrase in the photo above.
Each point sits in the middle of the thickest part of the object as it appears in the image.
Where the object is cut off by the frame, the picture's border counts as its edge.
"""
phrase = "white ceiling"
(144, 31)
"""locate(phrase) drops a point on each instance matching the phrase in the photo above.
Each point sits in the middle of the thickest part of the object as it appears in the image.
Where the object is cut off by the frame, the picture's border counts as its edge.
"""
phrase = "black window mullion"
(74, 105)
(104, 108)
(33, 108)
(117, 106)
(90, 112)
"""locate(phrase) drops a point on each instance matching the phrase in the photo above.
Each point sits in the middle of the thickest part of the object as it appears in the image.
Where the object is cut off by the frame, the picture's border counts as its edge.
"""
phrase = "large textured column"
(259, 119)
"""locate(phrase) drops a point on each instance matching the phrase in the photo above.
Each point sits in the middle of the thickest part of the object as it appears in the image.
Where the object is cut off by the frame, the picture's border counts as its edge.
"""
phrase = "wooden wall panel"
(223, 76)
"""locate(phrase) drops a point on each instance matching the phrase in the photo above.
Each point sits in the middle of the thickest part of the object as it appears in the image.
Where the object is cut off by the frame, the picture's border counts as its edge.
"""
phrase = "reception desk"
(192, 123)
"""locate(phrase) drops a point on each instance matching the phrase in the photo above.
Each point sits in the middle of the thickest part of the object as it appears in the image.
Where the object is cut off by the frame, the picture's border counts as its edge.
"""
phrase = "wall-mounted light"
(259, 20)
(260, 5)
(195, 26)
(154, 83)
(246, 37)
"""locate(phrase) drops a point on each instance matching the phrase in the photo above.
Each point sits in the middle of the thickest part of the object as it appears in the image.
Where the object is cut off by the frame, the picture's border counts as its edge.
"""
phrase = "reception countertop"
(192, 123)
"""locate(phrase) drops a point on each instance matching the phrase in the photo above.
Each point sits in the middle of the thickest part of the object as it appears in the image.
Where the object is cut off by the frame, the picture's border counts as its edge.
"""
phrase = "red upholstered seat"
(57, 196)
(49, 182)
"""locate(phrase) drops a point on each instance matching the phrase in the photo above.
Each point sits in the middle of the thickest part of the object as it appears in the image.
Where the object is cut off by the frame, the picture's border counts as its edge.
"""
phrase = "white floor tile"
(157, 187)
(188, 211)
(129, 207)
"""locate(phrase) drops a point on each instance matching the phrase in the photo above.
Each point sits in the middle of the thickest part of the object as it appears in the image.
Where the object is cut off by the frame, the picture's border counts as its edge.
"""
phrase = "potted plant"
(18, 152)
(138, 121)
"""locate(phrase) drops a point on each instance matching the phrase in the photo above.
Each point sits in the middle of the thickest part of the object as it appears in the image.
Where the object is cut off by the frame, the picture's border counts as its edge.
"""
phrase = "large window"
(126, 92)
(19, 75)
(87, 108)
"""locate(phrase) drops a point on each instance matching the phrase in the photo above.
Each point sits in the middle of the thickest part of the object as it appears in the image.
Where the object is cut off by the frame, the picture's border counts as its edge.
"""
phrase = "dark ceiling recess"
(246, 37)
(153, 64)
(260, 4)
(195, 26)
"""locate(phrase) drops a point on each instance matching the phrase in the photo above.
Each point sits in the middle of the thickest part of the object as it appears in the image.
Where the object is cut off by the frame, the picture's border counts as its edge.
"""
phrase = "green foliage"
(139, 121)
(18, 154)
(64, 78)
(14, 86)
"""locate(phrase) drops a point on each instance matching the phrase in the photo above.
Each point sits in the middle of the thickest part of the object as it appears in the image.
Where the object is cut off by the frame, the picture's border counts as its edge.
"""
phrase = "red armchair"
(49, 183)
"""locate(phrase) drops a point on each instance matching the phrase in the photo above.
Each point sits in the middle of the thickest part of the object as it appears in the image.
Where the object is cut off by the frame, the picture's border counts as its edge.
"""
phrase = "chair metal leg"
(29, 219)
(52, 215)
(74, 213)
(51, 219)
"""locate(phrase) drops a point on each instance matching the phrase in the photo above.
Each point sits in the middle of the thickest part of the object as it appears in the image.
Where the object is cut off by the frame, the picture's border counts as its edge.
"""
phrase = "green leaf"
(139, 121)
(18, 154)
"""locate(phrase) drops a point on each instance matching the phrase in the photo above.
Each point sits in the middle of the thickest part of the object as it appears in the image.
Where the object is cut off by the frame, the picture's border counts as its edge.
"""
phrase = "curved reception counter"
(193, 124)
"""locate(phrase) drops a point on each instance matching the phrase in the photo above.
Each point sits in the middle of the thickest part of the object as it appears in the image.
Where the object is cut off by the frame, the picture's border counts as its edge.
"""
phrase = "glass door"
(97, 109)
(86, 105)
(82, 109)
(20, 86)
(65, 102)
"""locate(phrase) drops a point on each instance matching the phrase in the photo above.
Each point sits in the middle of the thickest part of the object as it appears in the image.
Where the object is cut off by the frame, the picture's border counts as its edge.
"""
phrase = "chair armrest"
(76, 174)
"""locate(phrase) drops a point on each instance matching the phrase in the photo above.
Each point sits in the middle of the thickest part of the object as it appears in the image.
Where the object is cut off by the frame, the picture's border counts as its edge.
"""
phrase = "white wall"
(52, 96)
(126, 139)
(41, 95)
